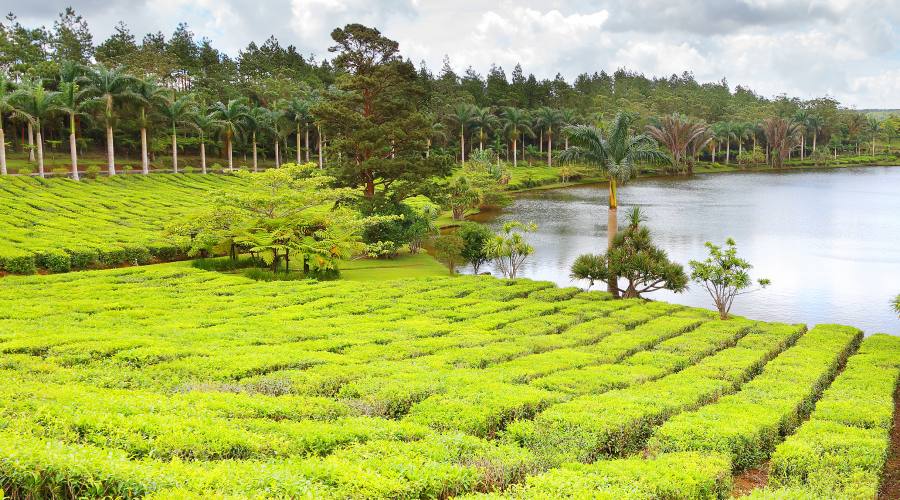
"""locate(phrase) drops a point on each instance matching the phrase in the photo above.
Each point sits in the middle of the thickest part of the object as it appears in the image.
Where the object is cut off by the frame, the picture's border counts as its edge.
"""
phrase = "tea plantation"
(168, 381)
(60, 224)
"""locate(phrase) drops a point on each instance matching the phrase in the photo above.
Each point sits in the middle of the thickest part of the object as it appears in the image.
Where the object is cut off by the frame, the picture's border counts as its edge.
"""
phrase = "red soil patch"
(751, 479)
(890, 481)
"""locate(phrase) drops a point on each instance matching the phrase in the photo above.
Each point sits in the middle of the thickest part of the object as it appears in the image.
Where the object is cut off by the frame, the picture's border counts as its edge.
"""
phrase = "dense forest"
(140, 96)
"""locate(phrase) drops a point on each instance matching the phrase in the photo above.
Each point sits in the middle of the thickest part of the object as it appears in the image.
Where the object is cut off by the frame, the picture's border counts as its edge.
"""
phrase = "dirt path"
(890, 481)
(751, 479)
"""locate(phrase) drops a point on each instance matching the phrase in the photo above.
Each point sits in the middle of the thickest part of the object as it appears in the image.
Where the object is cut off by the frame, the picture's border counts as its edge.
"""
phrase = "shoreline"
(598, 181)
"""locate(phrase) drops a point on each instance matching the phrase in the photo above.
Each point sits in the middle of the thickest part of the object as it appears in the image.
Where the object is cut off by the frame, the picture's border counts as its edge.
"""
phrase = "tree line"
(138, 96)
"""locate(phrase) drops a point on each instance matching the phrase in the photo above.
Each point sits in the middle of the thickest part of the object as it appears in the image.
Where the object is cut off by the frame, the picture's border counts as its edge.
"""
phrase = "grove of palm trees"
(256, 273)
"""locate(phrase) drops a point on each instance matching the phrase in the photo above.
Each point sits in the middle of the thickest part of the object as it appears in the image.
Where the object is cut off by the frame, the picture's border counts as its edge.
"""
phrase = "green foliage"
(724, 275)
(285, 212)
(448, 248)
(393, 225)
(475, 237)
(747, 425)
(753, 156)
(633, 257)
(896, 304)
(509, 250)
(842, 449)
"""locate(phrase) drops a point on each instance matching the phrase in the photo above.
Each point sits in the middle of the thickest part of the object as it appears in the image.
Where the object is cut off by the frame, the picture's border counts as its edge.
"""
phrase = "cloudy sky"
(849, 49)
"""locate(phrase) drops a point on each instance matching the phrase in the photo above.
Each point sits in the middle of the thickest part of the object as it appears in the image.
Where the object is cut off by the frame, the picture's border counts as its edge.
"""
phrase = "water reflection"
(829, 240)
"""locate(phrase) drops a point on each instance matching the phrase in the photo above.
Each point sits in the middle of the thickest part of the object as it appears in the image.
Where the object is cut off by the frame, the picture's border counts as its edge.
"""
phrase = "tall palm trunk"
(321, 157)
(515, 153)
(550, 147)
(541, 142)
(40, 150)
(228, 150)
(428, 149)
(255, 164)
(2, 149)
(462, 144)
(814, 142)
(110, 155)
(307, 142)
(73, 146)
(802, 147)
(277, 154)
(174, 151)
(728, 151)
(145, 159)
(202, 155)
(30, 143)
(298, 144)
(612, 228)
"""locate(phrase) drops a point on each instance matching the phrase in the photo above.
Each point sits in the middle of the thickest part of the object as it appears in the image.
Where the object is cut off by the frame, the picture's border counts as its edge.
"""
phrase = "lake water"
(829, 239)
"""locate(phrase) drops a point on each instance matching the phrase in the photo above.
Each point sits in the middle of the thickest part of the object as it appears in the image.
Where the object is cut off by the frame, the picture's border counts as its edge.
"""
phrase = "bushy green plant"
(635, 258)
(448, 249)
(92, 171)
(724, 275)
(509, 249)
(474, 236)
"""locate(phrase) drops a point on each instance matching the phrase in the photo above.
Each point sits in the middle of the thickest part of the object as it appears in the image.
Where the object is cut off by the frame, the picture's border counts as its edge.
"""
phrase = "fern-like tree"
(724, 275)
(782, 136)
(678, 133)
(617, 155)
(515, 124)
(509, 248)
(108, 88)
(634, 258)
(177, 111)
(896, 304)
(230, 117)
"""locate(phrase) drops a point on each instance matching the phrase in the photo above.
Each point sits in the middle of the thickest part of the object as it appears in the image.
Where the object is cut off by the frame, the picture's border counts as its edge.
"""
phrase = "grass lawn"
(405, 266)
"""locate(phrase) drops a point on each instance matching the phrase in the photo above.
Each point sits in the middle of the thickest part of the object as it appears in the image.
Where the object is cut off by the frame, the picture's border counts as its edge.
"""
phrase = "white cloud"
(808, 48)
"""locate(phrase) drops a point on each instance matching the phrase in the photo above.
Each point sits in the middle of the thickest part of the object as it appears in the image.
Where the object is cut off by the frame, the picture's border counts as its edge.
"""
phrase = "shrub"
(448, 249)
(92, 171)
(25, 170)
(474, 237)
(187, 169)
(55, 261)
(22, 264)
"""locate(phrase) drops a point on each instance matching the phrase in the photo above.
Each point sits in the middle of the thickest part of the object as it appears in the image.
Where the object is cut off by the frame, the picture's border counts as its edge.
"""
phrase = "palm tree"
(781, 137)
(800, 118)
(5, 107)
(873, 126)
(677, 132)
(230, 117)
(724, 132)
(515, 123)
(176, 111)
(437, 131)
(35, 104)
(483, 122)
(275, 122)
(616, 154)
(255, 121)
(69, 101)
(107, 87)
(743, 131)
(462, 115)
(547, 119)
(298, 111)
(814, 124)
(567, 117)
(148, 93)
(205, 125)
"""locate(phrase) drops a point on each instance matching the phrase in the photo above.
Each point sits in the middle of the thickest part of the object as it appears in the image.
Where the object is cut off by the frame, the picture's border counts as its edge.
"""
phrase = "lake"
(828, 239)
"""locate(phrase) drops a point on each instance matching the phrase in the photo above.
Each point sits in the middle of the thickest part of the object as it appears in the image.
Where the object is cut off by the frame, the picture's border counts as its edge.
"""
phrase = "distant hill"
(880, 113)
